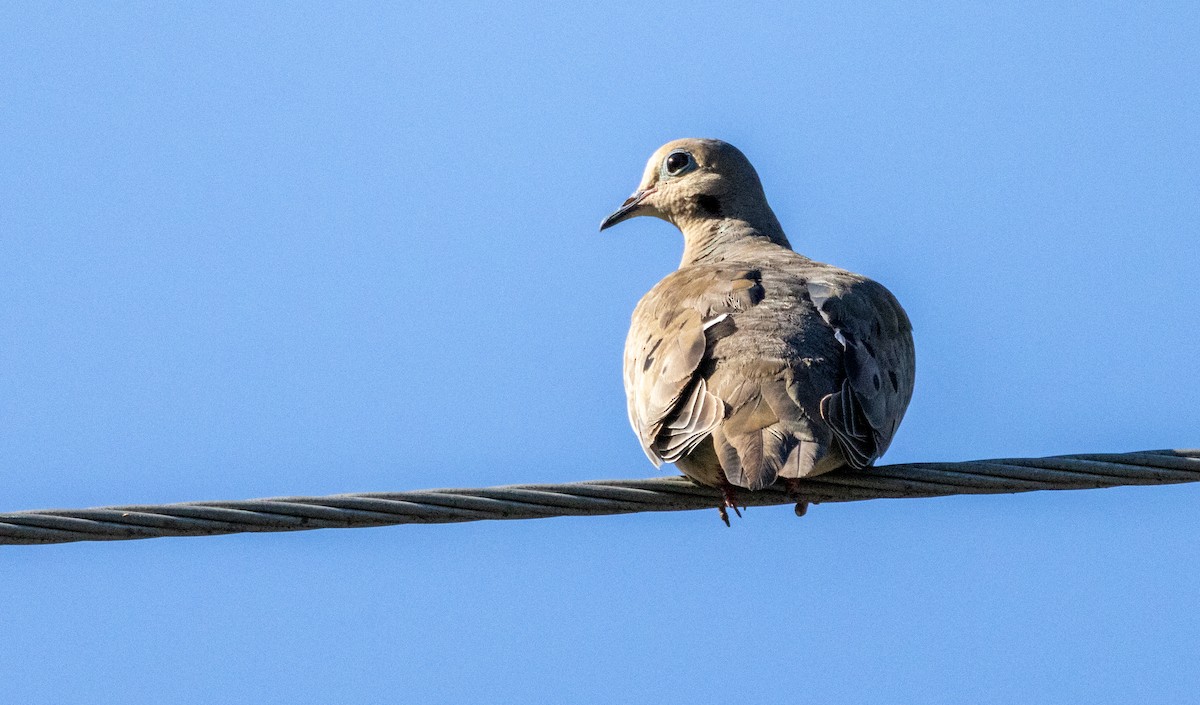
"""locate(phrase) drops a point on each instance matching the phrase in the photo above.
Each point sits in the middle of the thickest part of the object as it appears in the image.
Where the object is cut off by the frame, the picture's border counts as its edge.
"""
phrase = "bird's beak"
(628, 209)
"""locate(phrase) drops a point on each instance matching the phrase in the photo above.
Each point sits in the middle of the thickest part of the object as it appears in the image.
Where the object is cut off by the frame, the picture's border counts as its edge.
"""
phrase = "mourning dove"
(752, 362)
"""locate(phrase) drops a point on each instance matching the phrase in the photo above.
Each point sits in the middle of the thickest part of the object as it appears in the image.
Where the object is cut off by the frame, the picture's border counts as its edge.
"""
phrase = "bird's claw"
(793, 493)
(729, 501)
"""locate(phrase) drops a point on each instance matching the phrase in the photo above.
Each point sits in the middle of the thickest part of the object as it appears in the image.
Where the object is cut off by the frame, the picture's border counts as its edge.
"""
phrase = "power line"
(1066, 472)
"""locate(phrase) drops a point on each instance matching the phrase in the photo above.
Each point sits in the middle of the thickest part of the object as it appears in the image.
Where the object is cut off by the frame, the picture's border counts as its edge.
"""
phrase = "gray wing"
(670, 406)
(879, 361)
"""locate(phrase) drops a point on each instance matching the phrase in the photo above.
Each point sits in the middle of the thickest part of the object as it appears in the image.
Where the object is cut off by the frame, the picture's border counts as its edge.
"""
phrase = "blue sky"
(255, 250)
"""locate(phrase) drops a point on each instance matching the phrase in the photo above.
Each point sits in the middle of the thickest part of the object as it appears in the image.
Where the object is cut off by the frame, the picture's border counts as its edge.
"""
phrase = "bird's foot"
(793, 493)
(730, 501)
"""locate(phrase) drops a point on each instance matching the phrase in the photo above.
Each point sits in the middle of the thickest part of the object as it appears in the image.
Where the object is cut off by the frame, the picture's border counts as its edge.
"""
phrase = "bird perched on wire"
(752, 362)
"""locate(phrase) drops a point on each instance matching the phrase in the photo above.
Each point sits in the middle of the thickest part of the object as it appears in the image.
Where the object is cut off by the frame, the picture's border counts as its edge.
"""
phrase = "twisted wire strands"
(1066, 472)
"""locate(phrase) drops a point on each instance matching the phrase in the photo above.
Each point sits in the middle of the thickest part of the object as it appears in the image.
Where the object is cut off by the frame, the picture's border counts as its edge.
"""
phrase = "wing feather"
(879, 361)
(670, 406)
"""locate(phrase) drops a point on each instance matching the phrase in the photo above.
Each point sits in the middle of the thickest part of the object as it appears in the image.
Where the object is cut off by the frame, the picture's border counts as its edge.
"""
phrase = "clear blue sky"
(254, 250)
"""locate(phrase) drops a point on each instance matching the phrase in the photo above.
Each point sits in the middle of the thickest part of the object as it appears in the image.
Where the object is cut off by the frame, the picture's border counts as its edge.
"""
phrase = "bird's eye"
(677, 162)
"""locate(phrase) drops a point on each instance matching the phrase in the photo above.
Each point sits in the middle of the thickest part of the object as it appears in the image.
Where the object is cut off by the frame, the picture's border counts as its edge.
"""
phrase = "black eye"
(677, 162)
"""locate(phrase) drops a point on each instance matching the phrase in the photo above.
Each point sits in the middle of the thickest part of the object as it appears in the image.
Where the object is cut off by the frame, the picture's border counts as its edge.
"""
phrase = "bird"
(751, 363)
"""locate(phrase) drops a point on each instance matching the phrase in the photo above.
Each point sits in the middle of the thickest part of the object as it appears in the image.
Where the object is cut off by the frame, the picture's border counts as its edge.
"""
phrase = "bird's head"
(692, 183)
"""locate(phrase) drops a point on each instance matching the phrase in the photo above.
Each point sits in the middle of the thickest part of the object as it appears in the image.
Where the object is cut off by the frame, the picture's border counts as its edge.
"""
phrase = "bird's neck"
(715, 239)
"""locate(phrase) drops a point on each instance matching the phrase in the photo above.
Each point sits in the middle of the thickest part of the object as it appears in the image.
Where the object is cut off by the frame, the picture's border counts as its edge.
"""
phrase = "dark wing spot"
(649, 361)
(895, 382)
(757, 292)
(723, 328)
(709, 204)
(875, 381)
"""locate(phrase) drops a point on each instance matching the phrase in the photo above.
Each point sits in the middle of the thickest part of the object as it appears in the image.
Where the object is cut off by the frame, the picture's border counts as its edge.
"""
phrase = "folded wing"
(879, 364)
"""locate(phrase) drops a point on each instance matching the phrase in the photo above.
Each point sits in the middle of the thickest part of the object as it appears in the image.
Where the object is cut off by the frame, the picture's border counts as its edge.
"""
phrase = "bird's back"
(744, 366)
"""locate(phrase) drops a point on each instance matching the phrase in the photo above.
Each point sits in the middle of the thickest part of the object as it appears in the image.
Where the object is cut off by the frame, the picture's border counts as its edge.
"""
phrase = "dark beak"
(627, 210)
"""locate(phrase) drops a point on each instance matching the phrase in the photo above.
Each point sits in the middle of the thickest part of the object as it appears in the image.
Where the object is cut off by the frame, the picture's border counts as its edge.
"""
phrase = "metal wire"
(1066, 472)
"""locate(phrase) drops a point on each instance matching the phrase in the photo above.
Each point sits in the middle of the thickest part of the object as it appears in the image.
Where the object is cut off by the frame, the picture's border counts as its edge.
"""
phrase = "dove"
(751, 363)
